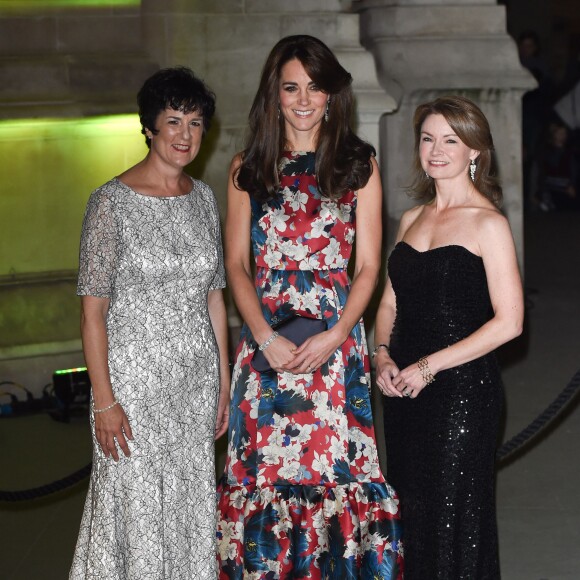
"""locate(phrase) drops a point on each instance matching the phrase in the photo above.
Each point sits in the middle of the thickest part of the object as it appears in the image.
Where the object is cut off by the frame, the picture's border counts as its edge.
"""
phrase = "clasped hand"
(393, 382)
(284, 356)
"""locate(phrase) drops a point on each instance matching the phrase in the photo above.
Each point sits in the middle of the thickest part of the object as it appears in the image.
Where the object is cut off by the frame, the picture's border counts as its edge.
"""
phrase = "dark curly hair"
(342, 159)
(174, 88)
(471, 126)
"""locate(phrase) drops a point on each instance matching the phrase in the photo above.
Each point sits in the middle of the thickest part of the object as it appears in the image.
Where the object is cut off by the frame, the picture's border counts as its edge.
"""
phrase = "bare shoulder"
(235, 165)
(490, 220)
(373, 185)
(493, 232)
(410, 217)
(236, 162)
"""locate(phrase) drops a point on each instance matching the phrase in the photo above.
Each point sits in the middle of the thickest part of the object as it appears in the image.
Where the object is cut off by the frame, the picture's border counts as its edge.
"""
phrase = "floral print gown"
(302, 495)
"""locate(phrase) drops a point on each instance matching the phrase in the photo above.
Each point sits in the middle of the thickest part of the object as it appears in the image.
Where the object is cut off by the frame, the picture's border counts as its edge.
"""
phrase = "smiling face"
(178, 137)
(443, 155)
(302, 104)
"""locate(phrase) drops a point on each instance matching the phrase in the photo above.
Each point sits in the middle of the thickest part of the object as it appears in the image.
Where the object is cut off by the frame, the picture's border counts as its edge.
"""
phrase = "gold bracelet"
(107, 408)
(423, 365)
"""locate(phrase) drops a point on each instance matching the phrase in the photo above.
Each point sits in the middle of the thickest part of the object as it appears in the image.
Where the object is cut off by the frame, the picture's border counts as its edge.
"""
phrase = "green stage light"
(68, 371)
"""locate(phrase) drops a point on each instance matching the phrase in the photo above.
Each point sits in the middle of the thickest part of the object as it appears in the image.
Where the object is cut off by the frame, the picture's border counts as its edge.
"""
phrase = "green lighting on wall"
(57, 128)
(49, 168)
(36, 4)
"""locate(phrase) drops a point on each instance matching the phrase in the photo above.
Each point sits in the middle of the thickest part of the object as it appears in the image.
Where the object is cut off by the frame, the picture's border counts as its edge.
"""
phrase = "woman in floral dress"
(303, 495)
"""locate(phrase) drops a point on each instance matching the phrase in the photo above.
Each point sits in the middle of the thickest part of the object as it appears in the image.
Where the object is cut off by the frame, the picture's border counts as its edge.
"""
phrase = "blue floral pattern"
(303, 495)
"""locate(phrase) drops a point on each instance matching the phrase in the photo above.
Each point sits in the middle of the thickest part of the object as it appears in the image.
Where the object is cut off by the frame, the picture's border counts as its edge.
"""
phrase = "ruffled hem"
(316, 532)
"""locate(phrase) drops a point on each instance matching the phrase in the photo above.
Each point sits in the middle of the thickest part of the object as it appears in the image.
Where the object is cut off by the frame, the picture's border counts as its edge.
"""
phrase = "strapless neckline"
(438, 248)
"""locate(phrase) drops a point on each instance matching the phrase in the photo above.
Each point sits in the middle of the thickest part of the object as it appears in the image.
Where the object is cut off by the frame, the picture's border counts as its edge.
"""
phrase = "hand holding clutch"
(296, 329)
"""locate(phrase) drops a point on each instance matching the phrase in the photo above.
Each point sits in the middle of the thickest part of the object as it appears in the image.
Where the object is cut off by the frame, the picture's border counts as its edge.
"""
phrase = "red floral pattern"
(303, 495)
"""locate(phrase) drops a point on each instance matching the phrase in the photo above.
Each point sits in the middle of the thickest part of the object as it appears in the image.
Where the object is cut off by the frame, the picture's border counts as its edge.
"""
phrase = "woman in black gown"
(453, 296)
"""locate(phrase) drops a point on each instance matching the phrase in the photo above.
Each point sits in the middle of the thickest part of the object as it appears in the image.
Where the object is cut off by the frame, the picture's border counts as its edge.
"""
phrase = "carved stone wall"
(427, 48)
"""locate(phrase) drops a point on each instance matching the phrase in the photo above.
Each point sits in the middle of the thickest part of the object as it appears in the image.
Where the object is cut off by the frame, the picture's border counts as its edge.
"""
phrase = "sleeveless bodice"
(301, 229)
(442, 297)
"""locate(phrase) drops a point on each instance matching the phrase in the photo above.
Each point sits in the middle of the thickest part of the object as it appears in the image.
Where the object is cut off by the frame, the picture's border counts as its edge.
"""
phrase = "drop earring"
(326, 112)
(472, 168)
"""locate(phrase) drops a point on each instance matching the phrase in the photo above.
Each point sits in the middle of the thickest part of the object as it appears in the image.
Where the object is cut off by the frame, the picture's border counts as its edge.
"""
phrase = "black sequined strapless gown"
(441, 445)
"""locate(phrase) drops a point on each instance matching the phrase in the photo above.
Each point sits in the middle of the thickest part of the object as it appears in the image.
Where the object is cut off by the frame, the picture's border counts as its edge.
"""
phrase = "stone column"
(427, 48)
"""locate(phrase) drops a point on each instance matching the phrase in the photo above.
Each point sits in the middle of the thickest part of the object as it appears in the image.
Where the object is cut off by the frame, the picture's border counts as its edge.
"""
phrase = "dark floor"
(538, 498)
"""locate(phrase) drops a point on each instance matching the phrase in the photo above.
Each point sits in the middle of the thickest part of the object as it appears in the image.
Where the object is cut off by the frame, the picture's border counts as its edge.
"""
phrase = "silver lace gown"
(151, 516)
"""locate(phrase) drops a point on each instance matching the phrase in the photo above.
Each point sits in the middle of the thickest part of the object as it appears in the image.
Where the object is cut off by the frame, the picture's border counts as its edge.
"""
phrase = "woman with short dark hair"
(155, 341)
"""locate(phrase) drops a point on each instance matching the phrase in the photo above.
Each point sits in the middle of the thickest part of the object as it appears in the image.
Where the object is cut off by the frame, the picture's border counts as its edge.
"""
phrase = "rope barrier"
(540, 423)
(49, 488)
(508, 449)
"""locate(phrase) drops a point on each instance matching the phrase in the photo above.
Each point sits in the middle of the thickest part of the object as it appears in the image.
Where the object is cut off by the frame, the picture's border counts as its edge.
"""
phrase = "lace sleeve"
(98, 248)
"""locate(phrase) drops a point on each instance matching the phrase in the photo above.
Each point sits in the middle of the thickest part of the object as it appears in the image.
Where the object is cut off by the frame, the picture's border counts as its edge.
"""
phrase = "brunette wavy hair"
(471, 126)
(342, 159)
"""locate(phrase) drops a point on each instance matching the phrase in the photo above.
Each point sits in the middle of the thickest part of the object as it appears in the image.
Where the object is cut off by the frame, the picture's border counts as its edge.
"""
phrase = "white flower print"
(289, 381)
(317, 229)
(294, 297)
(253, 387)
(274, 289)
(336, 449)
(272, 454)
(289, 470)
(278, 219)
(349, 235)
(298, 200)
(293, 250)
(351, 549)
(343, 214)
(390, 505)
(272, 257)
(311, 262)
(304, 435)
(284, 525)
(321, 464)
(311, 302)
(319, 524)
(371, 469)
(230, 531)
(290, 453)
(237, 499)
(328, 209)
(332, 253)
